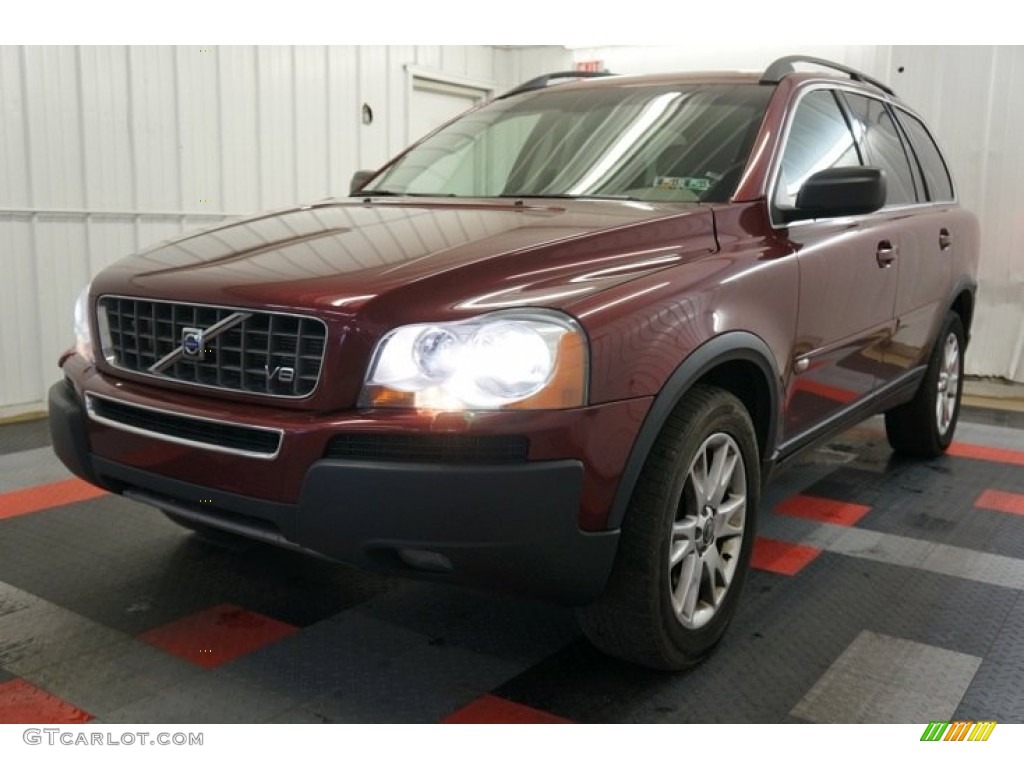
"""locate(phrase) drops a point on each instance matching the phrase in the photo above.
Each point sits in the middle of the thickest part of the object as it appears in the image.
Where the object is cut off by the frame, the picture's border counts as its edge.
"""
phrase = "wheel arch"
(963, 304)
(738, 362)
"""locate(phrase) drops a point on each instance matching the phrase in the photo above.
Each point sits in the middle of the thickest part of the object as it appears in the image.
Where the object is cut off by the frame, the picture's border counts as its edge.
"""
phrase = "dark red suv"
(555, 347)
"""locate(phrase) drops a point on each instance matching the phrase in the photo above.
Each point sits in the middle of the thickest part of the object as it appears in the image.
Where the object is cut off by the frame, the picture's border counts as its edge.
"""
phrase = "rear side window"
(819, 138)
(882, 146)
(936, 175)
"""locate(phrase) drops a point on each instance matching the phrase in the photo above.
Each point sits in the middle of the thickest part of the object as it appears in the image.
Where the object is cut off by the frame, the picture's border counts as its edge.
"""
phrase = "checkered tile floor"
(882, 591)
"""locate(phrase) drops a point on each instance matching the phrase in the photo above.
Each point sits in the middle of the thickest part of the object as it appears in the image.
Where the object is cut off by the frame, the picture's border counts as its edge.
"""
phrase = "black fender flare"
(737, 345)
(969, 285)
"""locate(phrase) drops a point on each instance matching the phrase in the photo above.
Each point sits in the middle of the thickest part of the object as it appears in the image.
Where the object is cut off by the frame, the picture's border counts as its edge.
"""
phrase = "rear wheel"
(924, 427)
(686, 538)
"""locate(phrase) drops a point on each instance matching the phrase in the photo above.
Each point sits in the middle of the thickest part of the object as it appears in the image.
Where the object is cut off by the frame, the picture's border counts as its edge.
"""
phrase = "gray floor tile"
(881, 679)
(106, 679)
(212, 697)
(28, 468)
(36, 634)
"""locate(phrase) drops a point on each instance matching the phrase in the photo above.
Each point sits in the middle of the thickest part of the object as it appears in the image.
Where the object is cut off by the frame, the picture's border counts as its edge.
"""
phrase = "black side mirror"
(358, 179)
(839, 192)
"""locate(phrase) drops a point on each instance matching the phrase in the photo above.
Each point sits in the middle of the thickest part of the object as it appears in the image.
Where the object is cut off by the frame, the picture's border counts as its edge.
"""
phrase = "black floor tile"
(126, 566)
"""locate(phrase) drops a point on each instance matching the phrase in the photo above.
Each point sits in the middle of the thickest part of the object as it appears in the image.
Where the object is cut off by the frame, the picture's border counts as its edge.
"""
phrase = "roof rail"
(545, 80)
(779, 68)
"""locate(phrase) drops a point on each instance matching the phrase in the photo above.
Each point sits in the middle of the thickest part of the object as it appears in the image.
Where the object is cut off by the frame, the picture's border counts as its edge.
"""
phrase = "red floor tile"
(1001, 501)
(217, 635)
(781, 556)
(22, 702)
(39, 497)
(985, 453)
(494, 709)
(822, 510)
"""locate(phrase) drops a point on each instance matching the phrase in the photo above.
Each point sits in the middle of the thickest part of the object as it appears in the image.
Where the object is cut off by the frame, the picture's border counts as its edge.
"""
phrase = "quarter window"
(936, 175)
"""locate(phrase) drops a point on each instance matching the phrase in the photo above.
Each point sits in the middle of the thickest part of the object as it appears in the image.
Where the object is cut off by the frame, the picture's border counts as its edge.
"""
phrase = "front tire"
(686, 538)
(924, 427)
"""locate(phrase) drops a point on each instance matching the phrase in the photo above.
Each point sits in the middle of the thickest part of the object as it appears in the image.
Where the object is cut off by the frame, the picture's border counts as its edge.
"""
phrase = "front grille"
(266, 353)
(460, 449)
(187, 430)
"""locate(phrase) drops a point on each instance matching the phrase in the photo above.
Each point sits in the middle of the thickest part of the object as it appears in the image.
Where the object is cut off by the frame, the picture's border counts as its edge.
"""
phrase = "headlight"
(502, 360)
(83, 337)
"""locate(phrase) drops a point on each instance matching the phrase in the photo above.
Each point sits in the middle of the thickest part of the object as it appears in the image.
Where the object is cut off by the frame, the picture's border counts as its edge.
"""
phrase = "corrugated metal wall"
(104, 150)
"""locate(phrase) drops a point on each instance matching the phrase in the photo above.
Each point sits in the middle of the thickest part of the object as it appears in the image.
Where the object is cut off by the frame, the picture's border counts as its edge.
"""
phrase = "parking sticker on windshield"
(682, 182)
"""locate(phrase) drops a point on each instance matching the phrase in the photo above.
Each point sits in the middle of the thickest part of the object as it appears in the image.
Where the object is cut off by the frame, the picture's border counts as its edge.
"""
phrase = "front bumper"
(510, 527)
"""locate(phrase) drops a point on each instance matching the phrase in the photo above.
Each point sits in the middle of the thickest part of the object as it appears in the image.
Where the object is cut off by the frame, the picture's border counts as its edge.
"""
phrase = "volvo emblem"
(192, 343)
(195, 341)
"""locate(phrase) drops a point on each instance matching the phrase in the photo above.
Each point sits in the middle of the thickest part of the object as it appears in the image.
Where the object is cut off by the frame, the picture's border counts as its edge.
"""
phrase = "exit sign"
(589, 66)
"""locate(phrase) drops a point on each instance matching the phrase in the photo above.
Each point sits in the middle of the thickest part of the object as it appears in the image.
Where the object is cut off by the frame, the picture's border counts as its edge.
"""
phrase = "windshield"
(682, 143)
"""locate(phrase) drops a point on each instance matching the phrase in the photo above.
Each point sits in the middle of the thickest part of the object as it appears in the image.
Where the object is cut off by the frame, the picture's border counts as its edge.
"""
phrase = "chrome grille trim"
(91, 400)
(144, 337)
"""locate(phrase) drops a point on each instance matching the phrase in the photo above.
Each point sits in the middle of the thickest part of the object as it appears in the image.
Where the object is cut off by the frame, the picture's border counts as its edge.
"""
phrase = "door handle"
(886, 254)
(945, 239)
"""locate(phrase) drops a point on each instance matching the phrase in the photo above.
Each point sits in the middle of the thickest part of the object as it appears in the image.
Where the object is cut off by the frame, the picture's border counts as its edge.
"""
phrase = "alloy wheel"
(948, 384)
(707, 533)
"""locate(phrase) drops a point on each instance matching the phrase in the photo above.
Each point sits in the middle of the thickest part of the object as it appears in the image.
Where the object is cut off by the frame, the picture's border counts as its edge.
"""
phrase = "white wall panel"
(155, 143)
(62, 268)
(373, 91)
(198, 110)
(517, 65)
(108, 239)
(106, 150)
(106, 115)
(343, 134)
(311, 127)
(19, 309)
(15, 186)
(239, 128)
(275, 86)
(429, 56)
(53, 142)
(395, 102)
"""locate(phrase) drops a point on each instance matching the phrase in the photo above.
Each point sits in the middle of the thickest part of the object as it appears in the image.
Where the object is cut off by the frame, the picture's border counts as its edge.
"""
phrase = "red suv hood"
(467, 256)
(366, 268)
